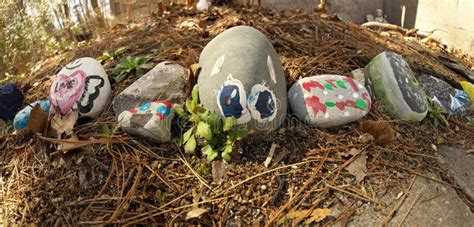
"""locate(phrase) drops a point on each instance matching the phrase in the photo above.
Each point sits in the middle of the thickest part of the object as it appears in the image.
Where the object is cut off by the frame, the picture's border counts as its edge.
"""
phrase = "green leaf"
(204, 130)
(210, 152)
(190, 146)
(195, 94)
(238, 133)
(206, 149)
(190, 106)
(228, 124)
(226, 157)
(215, 121)
(179, 110)
(106, 129)
(187, 135)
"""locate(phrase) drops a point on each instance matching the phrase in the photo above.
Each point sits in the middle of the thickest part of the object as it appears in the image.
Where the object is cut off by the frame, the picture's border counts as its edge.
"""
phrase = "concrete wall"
(456, 17)
(355, 9)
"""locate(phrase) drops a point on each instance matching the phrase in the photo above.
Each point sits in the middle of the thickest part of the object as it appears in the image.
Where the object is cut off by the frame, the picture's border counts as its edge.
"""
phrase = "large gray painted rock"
(394, 84)
(329, 100)
(448, 97)
(166, 81)
(242, 76)
(83, 85)
(151, 121)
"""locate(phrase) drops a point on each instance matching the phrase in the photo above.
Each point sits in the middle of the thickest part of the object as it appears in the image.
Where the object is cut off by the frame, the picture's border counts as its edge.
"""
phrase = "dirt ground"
(124, 180)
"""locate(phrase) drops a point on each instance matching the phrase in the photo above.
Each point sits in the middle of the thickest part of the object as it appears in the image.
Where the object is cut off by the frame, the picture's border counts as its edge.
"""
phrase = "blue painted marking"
(163, 110)
(145, 107)
(229, 101)
(265, 104)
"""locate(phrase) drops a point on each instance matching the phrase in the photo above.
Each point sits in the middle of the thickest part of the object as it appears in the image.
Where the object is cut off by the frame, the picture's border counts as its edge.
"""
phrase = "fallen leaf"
(219, 169)
(382, 132)
(195, 213)
(317, 215)
(38, 120)
(60, 124)
(358, 167)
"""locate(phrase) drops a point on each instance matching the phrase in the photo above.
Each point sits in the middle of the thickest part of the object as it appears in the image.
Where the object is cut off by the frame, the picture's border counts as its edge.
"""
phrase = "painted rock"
(329, 100)
(452, 100)
(469, 89)
(242, 76)
(81, 85)
(394, 84)
(11, 100)
(151, 121)
(166, 81)
(22, 117)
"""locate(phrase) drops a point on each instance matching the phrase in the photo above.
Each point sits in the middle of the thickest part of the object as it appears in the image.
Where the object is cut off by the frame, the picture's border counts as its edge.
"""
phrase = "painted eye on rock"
(262, 103)
(231, 100)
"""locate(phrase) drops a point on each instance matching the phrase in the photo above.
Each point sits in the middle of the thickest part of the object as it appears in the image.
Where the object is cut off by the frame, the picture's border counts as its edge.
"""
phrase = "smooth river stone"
(166, 81)
(329, 100)
(151, 121)
(81, 85)
(395, 85)
(11, 100)
(242, 76)
(22, 117)
(453, 101)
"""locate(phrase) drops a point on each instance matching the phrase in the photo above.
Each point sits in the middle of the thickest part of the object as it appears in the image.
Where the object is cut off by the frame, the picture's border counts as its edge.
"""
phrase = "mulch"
(125, 180)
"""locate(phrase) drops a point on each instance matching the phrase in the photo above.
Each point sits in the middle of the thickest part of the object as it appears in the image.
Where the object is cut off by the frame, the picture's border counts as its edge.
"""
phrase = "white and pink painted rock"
(329, 100)
(81, 85)
(151, 121)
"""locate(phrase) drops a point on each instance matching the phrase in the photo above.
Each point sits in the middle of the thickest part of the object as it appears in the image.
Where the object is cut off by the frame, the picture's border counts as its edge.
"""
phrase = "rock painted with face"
(151, 121)
(329, 100)
(242, 76)
(395, 85)
(166, 81)
(453, 101)
(11, 100)
(22, 117)
(81, 85)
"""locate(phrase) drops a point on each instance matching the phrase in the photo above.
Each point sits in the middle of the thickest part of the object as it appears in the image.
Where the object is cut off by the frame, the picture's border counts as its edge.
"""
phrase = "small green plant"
(215, 136)
(130, 65)
(436, 114)
(111, 55)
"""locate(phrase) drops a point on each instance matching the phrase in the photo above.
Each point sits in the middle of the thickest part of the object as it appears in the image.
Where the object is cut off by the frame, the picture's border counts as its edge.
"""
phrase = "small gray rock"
(359, 75)
(242, 76)
(395, 85)
(329, 100)
(151, 121)
(448, 97)
(166, 81)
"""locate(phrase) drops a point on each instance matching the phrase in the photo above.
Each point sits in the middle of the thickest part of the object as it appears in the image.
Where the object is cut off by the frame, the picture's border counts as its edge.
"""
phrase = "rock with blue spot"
(166, 81)
(394, 84)
(242, 76)
(11, 100)
(329, 100)
(151, 121)
(21, 119)
(453, 101)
